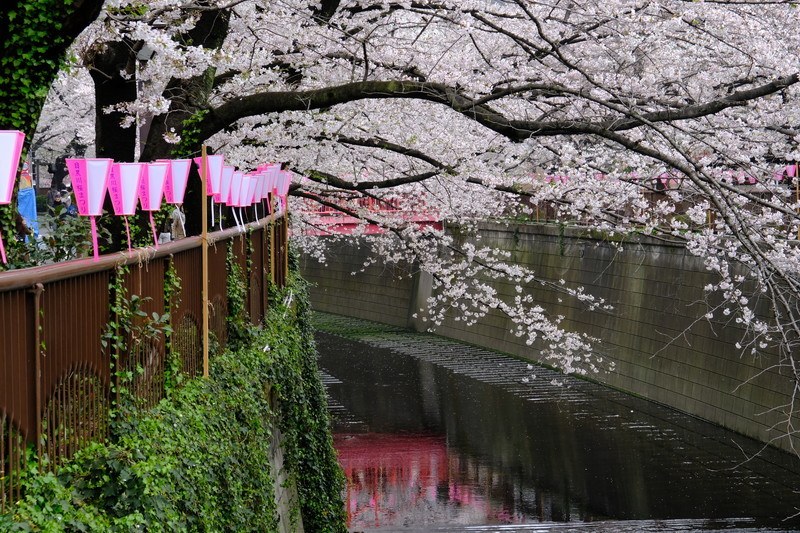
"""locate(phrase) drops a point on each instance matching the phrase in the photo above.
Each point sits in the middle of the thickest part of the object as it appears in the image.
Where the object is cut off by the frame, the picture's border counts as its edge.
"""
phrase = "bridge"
(325, 220)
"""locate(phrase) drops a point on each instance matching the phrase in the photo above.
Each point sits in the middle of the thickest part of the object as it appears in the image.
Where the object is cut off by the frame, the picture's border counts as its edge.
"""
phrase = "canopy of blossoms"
(670, 118)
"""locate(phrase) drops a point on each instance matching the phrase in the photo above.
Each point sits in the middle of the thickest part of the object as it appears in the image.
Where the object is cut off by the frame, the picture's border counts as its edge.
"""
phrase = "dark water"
(437, 436)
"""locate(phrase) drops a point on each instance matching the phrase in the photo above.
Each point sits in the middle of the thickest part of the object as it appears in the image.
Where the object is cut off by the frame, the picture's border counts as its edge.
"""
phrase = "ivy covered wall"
(205, 458)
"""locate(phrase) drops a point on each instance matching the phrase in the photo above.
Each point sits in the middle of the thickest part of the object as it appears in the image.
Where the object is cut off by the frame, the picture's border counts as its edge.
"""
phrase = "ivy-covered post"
(34, 37)
(172, 302)
(204, 241)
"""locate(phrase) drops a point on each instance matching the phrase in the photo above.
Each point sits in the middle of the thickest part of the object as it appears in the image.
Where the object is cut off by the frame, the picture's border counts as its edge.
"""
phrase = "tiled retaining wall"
(663, 349)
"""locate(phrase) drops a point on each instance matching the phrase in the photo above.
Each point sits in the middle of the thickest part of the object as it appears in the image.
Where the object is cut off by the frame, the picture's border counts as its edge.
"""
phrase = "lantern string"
(153, 227)
(128, 232)
(94, 239)
(236, 218)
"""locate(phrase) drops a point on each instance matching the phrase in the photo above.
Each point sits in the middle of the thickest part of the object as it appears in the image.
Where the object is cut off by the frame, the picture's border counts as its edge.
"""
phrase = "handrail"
(28, 277)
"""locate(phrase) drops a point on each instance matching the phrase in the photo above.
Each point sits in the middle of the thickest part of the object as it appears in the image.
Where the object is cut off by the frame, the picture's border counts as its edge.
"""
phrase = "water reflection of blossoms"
(395, 479)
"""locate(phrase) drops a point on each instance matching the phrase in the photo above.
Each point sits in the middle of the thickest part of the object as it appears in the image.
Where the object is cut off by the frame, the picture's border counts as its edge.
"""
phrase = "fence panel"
(218, 292)
(55, 376)
(75, 373)
(280, 247)
(18, 412)
(256, 281)
(145, 356)
(187, 313)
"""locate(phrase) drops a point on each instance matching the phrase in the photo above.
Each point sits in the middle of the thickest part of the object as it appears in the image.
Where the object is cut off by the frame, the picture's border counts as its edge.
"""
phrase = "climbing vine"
(172, 300)
(190, 138)
(31, 57)
(129, 329)
(306, 421)
(238, 319)
(200, 461)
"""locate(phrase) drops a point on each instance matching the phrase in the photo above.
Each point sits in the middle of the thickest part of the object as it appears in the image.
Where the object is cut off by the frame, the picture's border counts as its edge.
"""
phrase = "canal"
(434, 435)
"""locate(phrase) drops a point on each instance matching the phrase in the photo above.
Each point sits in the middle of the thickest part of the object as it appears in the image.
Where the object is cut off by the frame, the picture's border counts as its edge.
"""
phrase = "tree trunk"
(112, 88)
(114, 75)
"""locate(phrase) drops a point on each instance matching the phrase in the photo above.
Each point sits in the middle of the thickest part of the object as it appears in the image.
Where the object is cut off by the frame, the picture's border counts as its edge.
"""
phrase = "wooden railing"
(56, 376)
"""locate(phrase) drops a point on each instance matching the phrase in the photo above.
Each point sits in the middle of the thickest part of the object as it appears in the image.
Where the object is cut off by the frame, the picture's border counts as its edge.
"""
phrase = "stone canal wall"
(662, 347)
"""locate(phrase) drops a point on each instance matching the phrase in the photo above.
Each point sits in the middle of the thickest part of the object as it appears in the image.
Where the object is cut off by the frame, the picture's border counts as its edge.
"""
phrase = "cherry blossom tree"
(469, 109)
(66, 124)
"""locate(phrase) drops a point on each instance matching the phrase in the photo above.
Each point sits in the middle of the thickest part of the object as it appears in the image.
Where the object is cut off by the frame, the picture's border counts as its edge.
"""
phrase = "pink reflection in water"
(397, 480)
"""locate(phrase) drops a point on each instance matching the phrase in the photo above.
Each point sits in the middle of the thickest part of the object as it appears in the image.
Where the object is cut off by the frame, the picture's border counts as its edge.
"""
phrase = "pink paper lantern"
(10, 152)
(225, 184)
(269, 185)
(244, 191)
(176, 179)
(282, 188)
(236, 187)
(213, 174)
(151, 191)
(269, 181)
(89, 182)
(259, 180)
(151, 186)
(247, 194)
(263, 183)
(123, 187)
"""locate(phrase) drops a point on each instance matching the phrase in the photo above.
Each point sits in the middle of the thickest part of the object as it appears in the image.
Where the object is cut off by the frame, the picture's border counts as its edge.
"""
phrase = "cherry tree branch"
(516, 130)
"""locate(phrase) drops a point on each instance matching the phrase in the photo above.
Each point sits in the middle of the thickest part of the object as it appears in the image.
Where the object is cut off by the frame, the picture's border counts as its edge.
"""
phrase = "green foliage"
(7, 226)
(238, 319)
(133, 10)
(141, 231)
(67, 238)
(305, 423)
(190, 136)
(41, 203)
(200, 461)
(197, 463)
(31, 59)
